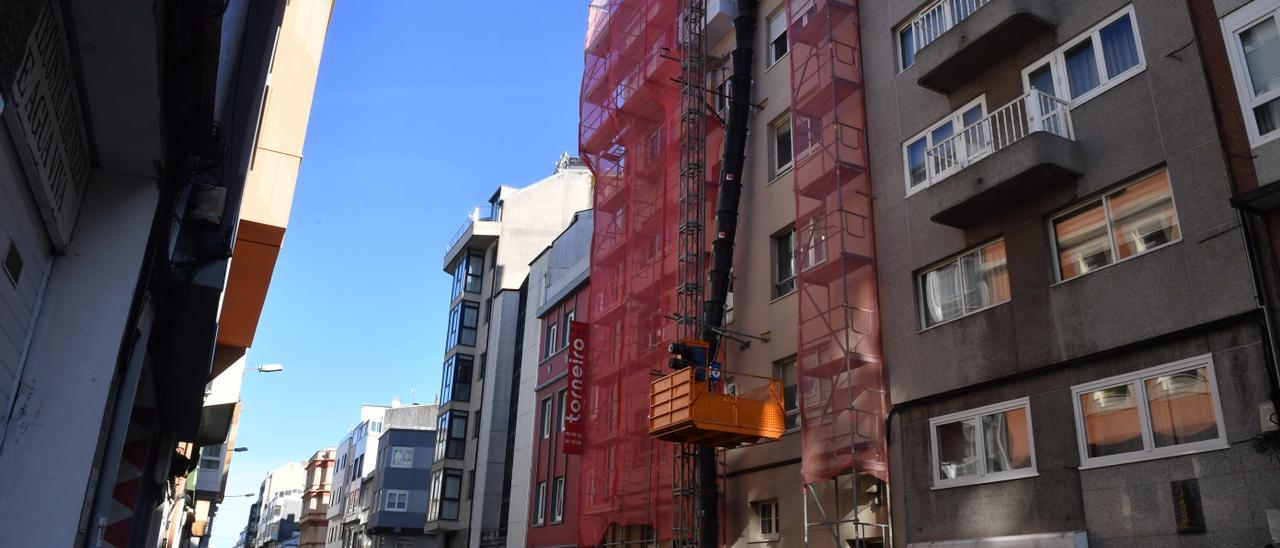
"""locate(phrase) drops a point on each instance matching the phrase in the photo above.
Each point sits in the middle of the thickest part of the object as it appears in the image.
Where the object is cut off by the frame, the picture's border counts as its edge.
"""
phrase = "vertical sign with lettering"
(575, 397)
(47, 127)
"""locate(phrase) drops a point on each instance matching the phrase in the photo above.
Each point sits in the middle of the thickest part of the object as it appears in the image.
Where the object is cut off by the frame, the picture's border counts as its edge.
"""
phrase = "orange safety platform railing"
(684, 409)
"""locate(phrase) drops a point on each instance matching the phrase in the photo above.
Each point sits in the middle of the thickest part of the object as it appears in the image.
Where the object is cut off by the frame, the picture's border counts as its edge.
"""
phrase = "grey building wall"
(1191, 297)
(415, 480)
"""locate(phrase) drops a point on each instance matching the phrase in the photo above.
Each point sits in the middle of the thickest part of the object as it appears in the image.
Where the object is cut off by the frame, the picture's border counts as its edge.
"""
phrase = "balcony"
(956, 40)
(482, 222)
(1013, 152)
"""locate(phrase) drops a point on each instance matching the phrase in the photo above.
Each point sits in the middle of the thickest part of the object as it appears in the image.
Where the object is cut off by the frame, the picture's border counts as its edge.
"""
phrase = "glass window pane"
(942, 294)
(780, 46)
(972, 116)
(957, 450)
(1111, 423)
(1008, 443)
(1082, 239)
(915, 162)
(1261, 44)
(1119, 47)
(1082, 69)
(782, 144)
(986, 277)
(1181, 407)
(907, 47)
(1042, 79)
(1267, 116)
(1142, 216)
(942, 133)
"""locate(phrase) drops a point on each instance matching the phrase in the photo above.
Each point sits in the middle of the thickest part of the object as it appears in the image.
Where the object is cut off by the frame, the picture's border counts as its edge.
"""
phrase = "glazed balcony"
(956, 40)
(1013, 152)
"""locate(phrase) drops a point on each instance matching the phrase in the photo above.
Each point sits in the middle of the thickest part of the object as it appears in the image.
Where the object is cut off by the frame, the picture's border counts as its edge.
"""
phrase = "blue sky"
(421, 110)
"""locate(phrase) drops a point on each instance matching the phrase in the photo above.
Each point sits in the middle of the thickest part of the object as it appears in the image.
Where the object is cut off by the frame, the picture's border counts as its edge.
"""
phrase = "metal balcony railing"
(1035, 111)
(940, 18)
(480, 213)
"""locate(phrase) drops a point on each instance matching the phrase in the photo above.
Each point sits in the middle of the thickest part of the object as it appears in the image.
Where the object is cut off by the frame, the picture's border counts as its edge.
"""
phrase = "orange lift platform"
(685, 408)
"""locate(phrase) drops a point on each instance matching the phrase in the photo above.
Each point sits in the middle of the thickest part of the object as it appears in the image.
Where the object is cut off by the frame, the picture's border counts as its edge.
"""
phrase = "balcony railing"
(1033, 112)
(480, 213)
(940, 18)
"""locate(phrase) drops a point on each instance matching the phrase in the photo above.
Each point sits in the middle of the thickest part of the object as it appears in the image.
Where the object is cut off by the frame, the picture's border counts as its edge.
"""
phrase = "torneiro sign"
(575, 397)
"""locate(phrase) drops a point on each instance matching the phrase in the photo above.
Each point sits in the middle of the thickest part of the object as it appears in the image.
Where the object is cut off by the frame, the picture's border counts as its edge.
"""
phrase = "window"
(475, 272)
(931, 22)
(540, 503)
(915, 151)
(560, 403)
(1091, 63)
(780, 146)
(569, 316)
(993, 443)
(1123, 224)
(767, 511)
(546, 418)
(557, 500)
(446, 494)
(456, 379)
(778, 46)
(552, 340)
(962, 285)
(451, 435)
(1253, 46)
(209, 463)
(402, 457)
(906, 47)
(784, 263)
(463, 322)
(786, 370)
(1167, 410)
(475, 432)
(375, 426)
(396, 501)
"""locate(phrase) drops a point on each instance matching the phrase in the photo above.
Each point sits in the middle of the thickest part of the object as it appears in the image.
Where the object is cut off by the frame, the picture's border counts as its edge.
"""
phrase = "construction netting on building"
(629, 137)
(842, 391)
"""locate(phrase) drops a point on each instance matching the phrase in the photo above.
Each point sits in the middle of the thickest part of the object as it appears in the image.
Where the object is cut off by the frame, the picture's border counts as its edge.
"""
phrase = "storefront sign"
(575, 398)
(44, 119)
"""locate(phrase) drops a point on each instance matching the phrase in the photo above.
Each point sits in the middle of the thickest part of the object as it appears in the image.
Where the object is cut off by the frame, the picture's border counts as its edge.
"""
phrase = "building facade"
(489, 260)
(279, 505)
(1069, 319)
(353, 462)
(399, 487)
(316, 495)
(544, 501)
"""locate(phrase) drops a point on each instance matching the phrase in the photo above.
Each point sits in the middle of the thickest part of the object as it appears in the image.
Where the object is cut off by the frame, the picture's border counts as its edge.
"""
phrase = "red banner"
(575, 397)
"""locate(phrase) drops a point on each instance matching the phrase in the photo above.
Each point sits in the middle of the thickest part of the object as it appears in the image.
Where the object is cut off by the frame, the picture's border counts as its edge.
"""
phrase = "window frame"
(1101, 199)
(551, 336)
(921, 305)
(777, 170)
(400, 449)
(775, 519)
(562, 399)
(545, 425)
(775, 256)
(956, 118)
(779, 368)
(557, 500)
(1149, 450)
(397, 493)
(770, 37)
(983, 476)
(539, 509)
(1057, 62)
(1233, 24)
(454, 378)
(457, 327)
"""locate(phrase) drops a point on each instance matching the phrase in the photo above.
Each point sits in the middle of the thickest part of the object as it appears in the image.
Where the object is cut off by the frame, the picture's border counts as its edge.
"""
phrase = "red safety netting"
(628, 136)
(842, 391)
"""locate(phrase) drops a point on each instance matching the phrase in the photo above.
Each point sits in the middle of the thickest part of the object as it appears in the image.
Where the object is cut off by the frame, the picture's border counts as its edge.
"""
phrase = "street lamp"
(239, 449)
(270, 368)
(239, 496)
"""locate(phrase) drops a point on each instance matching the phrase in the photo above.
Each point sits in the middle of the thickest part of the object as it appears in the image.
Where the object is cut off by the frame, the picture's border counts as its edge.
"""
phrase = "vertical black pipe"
(735, 144)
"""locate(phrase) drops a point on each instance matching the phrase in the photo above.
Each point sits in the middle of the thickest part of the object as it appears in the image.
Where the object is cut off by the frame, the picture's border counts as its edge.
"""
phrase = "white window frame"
(775, 275)
(956, 118)
(775, 519)
(540, 504)
(921, 307)
(982, 476)
(770, 36)
(557, 500)
(1111, 237)
(775, 170)
(1058, 66)
(548, 409)
(562, 399)
(390, 495)
(401, 450)
(1149, 450)
(1232, 25)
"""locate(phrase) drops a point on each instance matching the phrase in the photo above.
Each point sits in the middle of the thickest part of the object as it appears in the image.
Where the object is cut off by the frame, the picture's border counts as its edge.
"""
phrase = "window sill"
(1144, 456)
(779, 174)
(784, 295)
(1255, 142)
(969, 315)
(1011, 476)
(777, 61)
(1058, 267)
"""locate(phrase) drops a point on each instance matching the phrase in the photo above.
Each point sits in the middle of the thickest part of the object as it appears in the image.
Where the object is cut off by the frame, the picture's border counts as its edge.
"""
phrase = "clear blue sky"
(422, 109)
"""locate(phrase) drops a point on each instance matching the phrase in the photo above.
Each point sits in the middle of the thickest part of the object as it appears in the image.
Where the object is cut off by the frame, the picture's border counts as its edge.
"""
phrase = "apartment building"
(351, 469)
(545, 483)
(399, 485)
(279, 505)
(313, 525)
(489, 260)
(130, 192)
(1069, 319)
